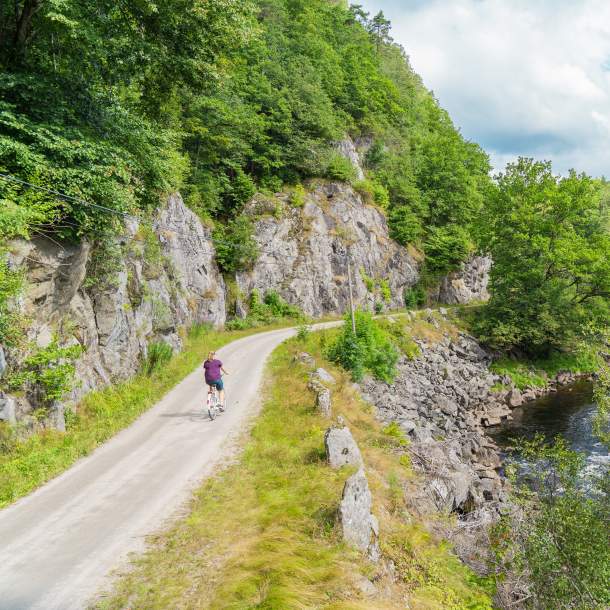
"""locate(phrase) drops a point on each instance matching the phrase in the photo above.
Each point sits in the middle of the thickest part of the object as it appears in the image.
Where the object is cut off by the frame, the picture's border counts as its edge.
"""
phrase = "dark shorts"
(219, 385)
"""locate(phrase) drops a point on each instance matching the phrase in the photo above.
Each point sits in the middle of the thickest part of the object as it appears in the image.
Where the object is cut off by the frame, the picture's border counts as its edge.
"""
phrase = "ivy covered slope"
(117, 103)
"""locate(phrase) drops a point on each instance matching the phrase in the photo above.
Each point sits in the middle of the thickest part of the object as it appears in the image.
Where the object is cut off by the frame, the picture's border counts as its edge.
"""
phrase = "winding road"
(59, 545)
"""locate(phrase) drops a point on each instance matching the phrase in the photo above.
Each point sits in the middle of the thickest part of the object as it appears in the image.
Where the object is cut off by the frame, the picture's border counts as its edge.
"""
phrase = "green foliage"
(446, 247)
(10, 285)
(236, 248)
(303, 332)
(219, 98)
(49, 371)
(560, 550)
(601, 422)
(297, 197)
(414, 297)
(583, 359)
(373, 193)
(340, 168)
(157, 355)
(549, 240)
(272, 309)
(369, 349)
(379, 287)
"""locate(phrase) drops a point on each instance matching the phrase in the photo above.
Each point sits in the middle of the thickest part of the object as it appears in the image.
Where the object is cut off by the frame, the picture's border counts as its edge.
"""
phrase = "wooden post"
(351, 295)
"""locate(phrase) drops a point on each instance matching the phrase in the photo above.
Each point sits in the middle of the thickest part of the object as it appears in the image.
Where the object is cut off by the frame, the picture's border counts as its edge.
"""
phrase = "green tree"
(549, 240)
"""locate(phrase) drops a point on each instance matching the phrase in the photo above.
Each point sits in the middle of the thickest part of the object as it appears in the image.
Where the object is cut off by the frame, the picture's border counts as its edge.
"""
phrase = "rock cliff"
(305, 252)
(158, 278)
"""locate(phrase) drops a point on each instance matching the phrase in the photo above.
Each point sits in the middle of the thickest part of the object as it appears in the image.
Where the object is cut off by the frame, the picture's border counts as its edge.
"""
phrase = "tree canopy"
(550, 242)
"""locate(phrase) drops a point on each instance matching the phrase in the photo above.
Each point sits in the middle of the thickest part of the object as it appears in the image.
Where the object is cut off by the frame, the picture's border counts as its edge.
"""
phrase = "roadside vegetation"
(263, 532)
(27, 463)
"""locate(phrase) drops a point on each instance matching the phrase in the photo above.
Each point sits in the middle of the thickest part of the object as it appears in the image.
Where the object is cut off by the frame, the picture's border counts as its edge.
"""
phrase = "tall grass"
(263, 533)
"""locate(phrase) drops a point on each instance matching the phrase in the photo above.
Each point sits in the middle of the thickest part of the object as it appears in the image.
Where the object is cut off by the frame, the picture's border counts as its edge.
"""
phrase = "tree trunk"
(23, 26)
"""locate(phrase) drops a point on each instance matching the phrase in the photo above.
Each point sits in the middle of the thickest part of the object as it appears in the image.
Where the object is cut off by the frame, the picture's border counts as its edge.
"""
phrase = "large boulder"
(360, 527)
(341, 448)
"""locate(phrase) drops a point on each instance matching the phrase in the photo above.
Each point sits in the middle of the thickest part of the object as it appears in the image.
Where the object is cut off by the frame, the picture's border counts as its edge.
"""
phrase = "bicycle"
(213, 403)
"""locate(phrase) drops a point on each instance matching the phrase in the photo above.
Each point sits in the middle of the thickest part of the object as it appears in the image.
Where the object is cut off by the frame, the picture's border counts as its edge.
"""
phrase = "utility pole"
(351, 295)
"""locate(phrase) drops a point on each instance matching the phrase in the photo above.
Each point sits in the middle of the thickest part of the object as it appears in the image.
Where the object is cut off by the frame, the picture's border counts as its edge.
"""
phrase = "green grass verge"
(27, 464)
(263, 533)
(537, 373)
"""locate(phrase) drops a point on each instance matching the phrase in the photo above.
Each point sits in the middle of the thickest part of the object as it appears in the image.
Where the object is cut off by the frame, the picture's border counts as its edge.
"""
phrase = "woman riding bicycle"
(213, 376)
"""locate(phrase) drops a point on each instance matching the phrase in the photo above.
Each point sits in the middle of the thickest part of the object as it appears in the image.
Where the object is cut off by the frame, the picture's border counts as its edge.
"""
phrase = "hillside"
(177, 174)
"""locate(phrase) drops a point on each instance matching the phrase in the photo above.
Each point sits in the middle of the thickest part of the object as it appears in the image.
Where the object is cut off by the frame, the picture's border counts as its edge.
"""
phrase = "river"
(568, 412)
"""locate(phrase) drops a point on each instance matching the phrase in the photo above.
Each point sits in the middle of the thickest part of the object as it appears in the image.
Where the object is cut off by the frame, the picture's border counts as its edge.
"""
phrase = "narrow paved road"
(58, 545)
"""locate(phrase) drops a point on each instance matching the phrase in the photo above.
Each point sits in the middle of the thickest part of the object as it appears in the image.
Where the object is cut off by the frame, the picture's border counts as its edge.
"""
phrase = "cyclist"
(213, 376)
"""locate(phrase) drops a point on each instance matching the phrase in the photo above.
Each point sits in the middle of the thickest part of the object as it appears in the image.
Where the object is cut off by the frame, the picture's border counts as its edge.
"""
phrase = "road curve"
(59, 544)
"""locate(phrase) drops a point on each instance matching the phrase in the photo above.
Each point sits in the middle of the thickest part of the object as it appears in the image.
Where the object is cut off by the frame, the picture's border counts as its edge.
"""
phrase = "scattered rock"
(323, 375)
(305, 358)
(7, 409)
(514, 398)
(341, 448)
(324, 402)
(360, 527)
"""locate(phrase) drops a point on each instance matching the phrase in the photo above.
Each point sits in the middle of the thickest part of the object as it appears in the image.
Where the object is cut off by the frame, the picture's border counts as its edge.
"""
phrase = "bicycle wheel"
(212, 412)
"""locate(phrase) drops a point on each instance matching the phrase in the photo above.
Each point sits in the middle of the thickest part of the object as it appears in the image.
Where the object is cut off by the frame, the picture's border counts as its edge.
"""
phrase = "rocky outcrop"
(148, 286)
(443, 400)
(360, 527)
(304, 252)
(468, 284)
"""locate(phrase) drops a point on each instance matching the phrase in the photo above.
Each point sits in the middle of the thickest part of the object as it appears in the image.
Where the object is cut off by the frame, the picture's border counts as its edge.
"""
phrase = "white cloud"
(521, 77)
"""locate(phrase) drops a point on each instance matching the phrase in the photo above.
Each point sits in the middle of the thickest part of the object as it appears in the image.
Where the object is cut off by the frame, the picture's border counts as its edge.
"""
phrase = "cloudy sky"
(520, 77)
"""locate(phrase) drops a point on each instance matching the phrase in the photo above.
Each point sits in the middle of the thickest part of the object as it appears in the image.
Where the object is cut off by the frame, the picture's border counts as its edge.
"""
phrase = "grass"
(537, 373)
(263, 534)
(27, 464)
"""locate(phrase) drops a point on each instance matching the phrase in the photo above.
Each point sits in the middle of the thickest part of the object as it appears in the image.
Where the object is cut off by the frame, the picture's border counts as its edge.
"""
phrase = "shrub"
(297, 197)
(414, 297)
(236, 248)
(368, 349)
(373, 192)
(303, 332)
(340, 168)
(50, 370)
(157, 355)
(405, 225)
(10, 286)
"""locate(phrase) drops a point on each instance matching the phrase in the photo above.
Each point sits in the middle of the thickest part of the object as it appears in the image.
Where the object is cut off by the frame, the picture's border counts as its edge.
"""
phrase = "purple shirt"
(212, 370)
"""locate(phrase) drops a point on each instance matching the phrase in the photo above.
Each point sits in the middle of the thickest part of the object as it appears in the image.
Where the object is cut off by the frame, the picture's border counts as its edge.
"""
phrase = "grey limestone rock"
(347, 149)
(324, 402)
(7, 409)
(323, 375)
(360, 527)
(115, 317)
(467, 284)
(304, 253)
(341, 448)
(514, 398)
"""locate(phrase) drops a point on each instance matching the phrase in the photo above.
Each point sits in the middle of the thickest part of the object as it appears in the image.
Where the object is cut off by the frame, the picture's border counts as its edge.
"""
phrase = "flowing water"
(569, 412)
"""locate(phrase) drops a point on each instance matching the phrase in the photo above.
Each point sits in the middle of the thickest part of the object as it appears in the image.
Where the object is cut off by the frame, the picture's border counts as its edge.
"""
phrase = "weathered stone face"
(303, 254)
(115, 321)
(468, 284)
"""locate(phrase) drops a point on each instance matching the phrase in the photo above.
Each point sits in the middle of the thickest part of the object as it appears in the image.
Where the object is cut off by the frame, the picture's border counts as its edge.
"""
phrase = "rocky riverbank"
(445, 400)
